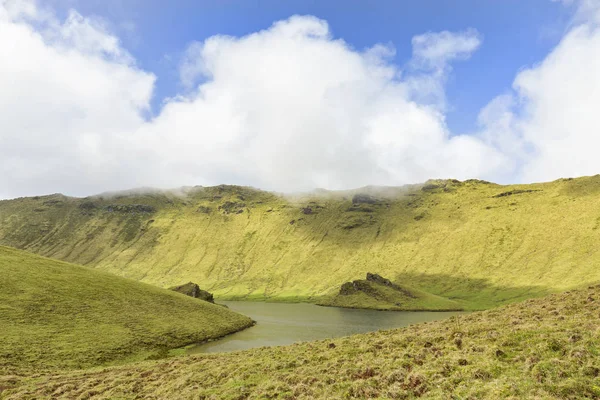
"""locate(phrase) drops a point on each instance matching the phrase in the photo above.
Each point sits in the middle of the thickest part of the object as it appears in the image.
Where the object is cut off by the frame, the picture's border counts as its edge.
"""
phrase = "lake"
(282, 323)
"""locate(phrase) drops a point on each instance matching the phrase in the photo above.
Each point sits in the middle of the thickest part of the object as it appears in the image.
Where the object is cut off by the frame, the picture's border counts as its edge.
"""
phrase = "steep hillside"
(473, 242)
(540, 349)
(59, 315)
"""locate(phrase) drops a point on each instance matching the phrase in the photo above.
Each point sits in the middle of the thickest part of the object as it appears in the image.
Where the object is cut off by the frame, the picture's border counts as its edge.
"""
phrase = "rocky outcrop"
(232, 207)
(130, 208)
(513, 192)
(204, 210)
(193, 290)
(445, 184)
(379, 293)
(379, 279)
(353, 287)
(362, 198)
(369, 286)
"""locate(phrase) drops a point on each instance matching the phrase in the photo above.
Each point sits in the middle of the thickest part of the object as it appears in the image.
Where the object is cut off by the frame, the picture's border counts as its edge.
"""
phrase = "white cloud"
(292, 108)
(430, 66)
(68, 100)
(586, 10)
(549, 124)
(287, 108)
(436, 49)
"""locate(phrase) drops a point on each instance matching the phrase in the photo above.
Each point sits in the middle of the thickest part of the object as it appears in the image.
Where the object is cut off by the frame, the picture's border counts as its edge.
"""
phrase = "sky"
(104, 95)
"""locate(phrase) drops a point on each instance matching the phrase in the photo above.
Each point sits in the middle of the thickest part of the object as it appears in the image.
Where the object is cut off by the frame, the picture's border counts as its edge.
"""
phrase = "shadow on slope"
(471, 293)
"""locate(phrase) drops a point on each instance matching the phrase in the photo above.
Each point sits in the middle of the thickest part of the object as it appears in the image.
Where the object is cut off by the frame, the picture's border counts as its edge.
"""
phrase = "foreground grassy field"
(58, 315)
(472, 242)
(539, 349)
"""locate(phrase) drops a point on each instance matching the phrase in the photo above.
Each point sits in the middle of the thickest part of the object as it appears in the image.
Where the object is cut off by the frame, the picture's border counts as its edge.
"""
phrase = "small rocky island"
(365, 285)
(379, 293)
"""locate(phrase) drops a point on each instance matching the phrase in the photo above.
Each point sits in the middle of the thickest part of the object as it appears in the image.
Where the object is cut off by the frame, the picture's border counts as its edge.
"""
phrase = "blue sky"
(104, 95)
(516, 34)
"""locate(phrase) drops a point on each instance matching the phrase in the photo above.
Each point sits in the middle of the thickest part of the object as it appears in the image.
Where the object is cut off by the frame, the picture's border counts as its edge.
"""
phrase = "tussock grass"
(473, 242)
(59, 315)
(544, 348)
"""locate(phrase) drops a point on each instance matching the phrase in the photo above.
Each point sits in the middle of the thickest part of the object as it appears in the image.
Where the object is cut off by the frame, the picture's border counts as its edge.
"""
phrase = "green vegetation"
(59, 315)
(379, 293)
(473, 242)
(539, 349)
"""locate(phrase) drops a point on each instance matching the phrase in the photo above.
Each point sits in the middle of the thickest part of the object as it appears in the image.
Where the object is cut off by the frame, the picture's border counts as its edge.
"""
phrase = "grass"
(544, 348)
(55, 315)
(473, 242)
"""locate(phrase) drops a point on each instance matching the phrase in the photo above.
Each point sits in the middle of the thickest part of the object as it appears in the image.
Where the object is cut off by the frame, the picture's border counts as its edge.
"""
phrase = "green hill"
(59, 315)
(539, 349)
(473, 242)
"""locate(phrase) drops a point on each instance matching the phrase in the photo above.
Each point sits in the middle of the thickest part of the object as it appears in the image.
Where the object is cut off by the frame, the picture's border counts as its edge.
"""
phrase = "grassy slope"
(59, 315)
(540, 349)
(459, 241)
(385, 298)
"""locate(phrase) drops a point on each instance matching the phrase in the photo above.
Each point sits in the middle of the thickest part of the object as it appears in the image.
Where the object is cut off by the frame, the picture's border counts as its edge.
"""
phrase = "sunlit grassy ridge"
(59, 315)
(473, 242)
(540, 349)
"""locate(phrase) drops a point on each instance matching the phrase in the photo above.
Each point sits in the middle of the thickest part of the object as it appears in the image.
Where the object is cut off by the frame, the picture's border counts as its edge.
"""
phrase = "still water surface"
(280, 324)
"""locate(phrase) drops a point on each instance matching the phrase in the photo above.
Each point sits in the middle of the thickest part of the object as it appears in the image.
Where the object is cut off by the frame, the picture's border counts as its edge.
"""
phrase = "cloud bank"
(288, 108)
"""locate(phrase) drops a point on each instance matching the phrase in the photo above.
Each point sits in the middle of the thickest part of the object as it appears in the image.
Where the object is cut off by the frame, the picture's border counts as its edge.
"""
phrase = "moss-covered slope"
(59, 315)
(473, 242)
(540, 349)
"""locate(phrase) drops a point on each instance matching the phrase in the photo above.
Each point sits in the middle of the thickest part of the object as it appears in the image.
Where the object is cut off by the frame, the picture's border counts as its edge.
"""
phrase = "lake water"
(281, 323)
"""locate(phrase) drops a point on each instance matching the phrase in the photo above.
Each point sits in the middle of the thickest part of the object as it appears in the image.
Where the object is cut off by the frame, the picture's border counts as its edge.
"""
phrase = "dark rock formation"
(432, 186)
(357, 286)
(193, 290)
(88, 206)
(445, 184)
(348, 288)
(232, 207)
(130, 208)
(360, 208)
(478, 181)
(516, 191)
(379, 279)
(367, 286)
(361, 198)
